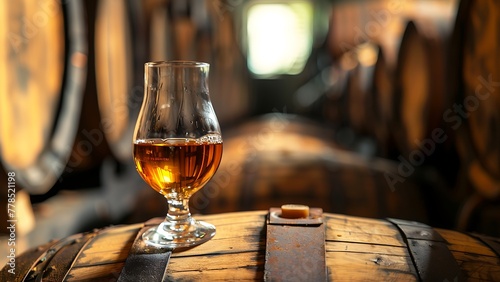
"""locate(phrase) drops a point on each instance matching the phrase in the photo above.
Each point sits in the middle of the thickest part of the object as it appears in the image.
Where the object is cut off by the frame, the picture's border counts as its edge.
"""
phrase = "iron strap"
(145, 263)
(295, 248)
(429, 252)
(54, 263)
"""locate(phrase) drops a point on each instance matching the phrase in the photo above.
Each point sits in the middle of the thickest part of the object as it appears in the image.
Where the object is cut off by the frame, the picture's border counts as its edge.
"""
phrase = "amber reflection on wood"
(113, 66)
(357, 249)
(31, 73)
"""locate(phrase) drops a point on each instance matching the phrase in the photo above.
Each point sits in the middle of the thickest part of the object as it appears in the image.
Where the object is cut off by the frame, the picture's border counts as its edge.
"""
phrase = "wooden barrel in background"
(408, 93)
(352, 24)
(421, 81)
(356, 94)
(384, 90)
(54, 130)
(383, 98)
(76, 90)
(360, 84)
(230, 89)
(356, 249)
(280, 158)
(324, 96)
(120, 54)
(341, 94)
(203, 31)
(332, 105)
(480, 76)
(474, 114)
(114, 86)
(44, 50)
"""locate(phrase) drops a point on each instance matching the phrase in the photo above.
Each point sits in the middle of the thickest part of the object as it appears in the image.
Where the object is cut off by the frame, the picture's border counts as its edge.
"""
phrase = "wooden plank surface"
(360, 230)
(105, 272)
(369, 267)
(356, 249)
(108, 247)
(460, 242)
(476, 259)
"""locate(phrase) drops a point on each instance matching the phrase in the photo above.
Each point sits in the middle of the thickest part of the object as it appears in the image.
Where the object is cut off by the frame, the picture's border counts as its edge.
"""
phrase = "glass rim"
(177, 63)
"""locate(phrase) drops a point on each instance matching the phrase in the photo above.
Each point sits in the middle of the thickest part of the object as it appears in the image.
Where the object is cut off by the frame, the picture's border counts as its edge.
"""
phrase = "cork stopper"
(294, 211)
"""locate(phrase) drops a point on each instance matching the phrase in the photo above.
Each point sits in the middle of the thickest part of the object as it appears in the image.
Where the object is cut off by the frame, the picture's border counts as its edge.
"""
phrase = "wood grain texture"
(357, 248)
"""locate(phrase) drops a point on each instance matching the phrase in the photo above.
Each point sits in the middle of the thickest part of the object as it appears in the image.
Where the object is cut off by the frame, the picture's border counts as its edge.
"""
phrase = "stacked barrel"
(429, 97)
(72, 81)
(474, 114)
(71, 87)
(419, 78)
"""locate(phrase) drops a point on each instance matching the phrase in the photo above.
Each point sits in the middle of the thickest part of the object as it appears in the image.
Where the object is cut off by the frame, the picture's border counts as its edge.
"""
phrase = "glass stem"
(178, 215)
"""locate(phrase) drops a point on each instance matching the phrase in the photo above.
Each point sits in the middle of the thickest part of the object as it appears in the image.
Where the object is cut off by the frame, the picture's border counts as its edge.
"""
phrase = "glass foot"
(162, 236)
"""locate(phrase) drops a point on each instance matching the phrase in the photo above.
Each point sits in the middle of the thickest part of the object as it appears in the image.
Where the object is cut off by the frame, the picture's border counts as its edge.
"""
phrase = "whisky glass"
(177, 146)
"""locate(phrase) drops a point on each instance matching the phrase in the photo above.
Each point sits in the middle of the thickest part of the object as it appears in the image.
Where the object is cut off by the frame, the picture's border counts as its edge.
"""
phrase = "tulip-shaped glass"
(177, 146)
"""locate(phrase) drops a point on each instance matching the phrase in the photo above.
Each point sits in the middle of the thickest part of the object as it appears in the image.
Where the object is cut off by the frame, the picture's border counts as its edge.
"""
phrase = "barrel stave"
(370, 246)
(106, 272)
(473, 257)
(241, 266)
(356, 249)
(108, 247)
(364, 231)
(478, 268)
(239, 246)
(460, 242)
(105, 255)
(369, 267)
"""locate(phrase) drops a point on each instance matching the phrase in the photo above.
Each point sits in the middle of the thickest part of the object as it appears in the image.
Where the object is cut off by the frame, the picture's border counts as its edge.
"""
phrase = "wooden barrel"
(473, 112)
(477, 77)
(120, 54)
(44, 55)
(324, 96)
(421, 77)
(333, 103)
(279, 157)
(113, 88)
(76, 90)
(359, 249)
(383, 98)
(360, 100)
(384, 88)
(370, 94)
(203, 32)
(352, 24)
(408, 109)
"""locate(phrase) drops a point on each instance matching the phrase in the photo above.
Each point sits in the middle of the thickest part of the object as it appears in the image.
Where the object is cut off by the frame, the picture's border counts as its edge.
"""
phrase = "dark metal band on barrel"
(295, 248)
(53, 261)
(145, 263)
(429, 252)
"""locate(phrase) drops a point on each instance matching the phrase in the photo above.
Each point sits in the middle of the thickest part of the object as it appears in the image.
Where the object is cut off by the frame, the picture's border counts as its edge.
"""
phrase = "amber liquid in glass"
(177, 168)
